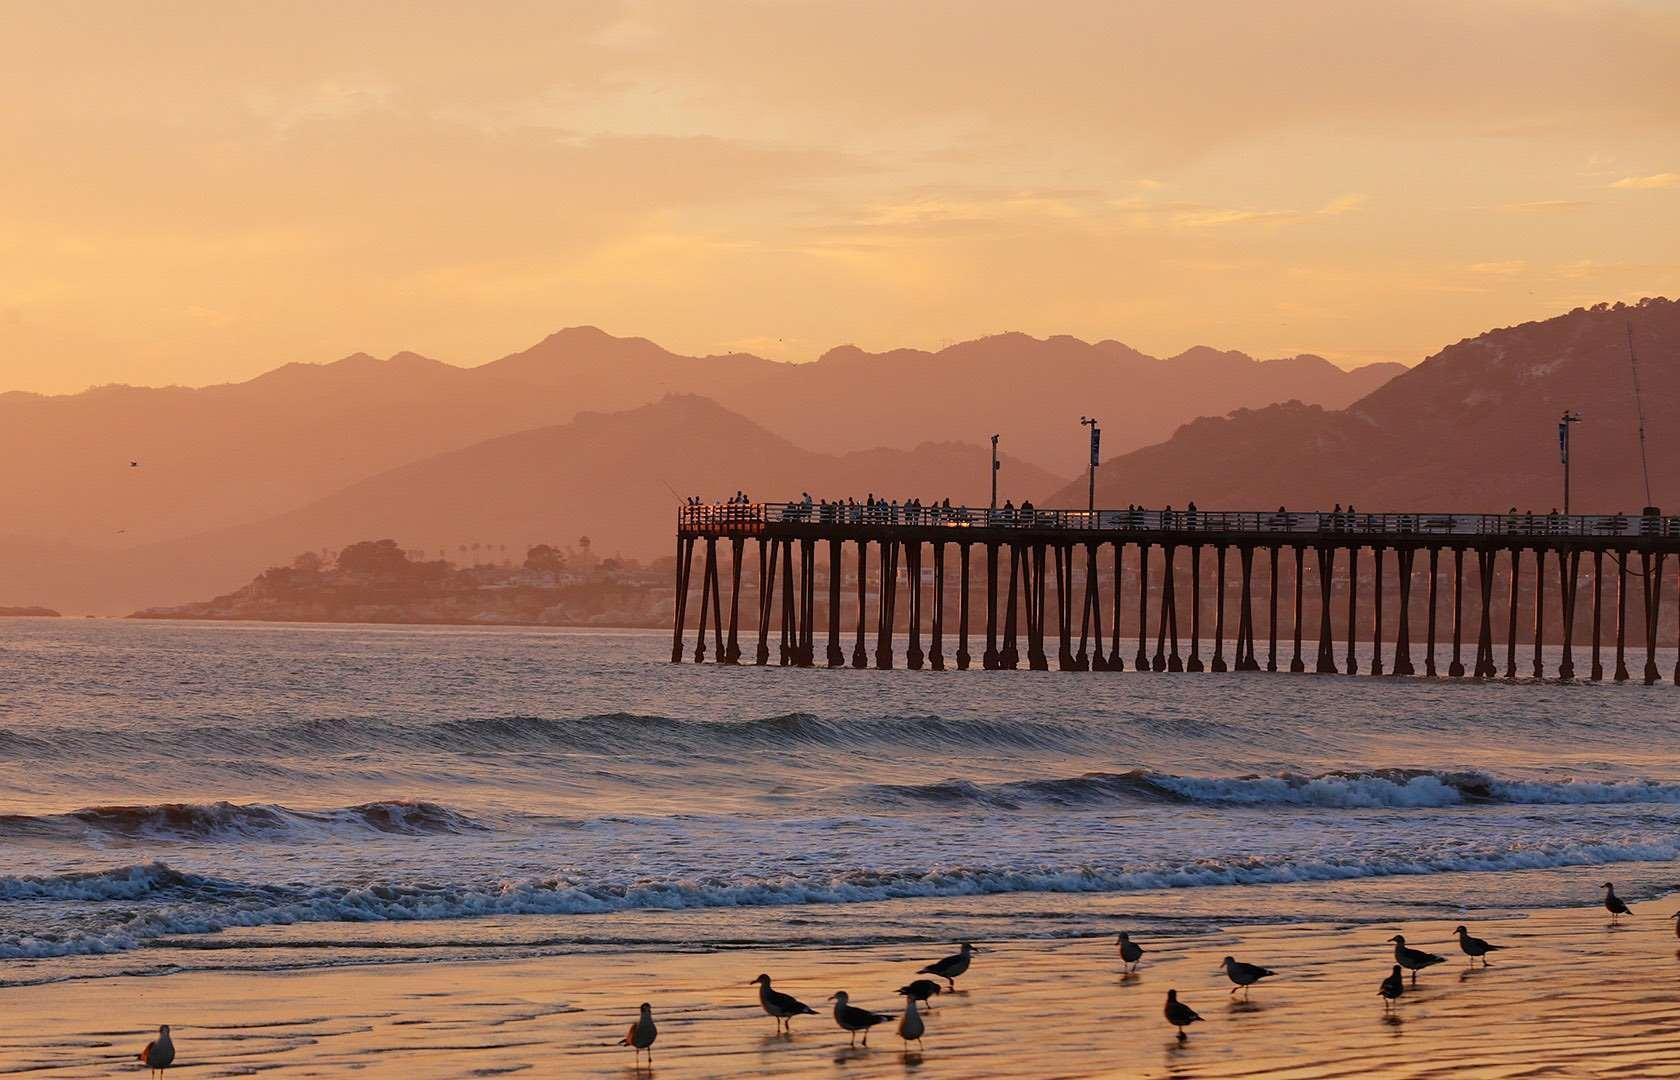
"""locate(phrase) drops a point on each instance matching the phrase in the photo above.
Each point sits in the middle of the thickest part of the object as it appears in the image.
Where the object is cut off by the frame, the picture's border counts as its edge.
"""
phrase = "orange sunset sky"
(196, 192)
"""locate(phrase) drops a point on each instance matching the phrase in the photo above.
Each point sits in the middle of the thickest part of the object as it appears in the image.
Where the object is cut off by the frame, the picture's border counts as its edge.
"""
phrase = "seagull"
(853, 1019)
(1178, 1014)
(641, 1035)
(784, 1007)
(1130, 951)
(1676, 918)
(1244, 975)
(1413, 960)
(911, 1027)
(1474, 946)
(952, 966)
(1613, 903)
(920, 990)
(134, 464)
(159, 1053)
(1392, 987)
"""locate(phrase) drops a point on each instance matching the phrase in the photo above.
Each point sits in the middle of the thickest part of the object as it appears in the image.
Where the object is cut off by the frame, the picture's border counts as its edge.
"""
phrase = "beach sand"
(1572, 996)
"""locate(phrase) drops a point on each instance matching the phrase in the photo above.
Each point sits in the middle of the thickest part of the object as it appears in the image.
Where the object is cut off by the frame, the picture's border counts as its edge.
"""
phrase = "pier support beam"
(1169, 613)
(1456, 668)
(989, 659)
(1404, 557)
(913, 655)
(708, 591)
(936, 649)
(1326, 647)
(963, 657)
(1195, 661)
(1569, 571)
(1064, 608)
(1511, 630)
(1298, 664)
(1653, 605)
(1036, 658)
(1115, 662)
(685, 567)
(1219, 608)
(1353, 609)
(836, 552)
(1377, 612)
(1539, 671)
(1093, 606)
(1142, 663)
(732, 652)
(1485, 668)
(790, 618)
(886, 604)
(1271, 638)
(1434, 581)
(1009, 657)
(860, 657)
(1621, 558)
(1597, 615)
(1245, 617)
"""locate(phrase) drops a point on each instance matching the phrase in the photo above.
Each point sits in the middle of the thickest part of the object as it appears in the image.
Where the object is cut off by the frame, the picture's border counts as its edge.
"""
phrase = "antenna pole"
(1639, 403)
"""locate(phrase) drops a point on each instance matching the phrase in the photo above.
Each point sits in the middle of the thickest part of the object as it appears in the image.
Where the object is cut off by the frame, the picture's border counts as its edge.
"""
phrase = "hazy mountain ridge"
(240, 452)
(1473, 427)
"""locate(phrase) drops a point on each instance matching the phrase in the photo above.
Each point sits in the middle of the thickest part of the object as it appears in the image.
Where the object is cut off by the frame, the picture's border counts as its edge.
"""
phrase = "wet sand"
(1572, 996)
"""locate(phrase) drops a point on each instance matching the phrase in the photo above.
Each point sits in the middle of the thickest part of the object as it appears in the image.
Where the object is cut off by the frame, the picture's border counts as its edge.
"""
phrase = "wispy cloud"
(1646, 183)
(1509, 266)
(1338, 206)
(1546, 206)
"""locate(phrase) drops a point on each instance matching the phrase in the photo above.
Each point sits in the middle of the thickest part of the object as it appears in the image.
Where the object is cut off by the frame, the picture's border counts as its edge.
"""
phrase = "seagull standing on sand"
(783, 1007)
(1475, 947)
(1613, 903)
(1130, 951)
(1392, 987)
(952, 966)
(1413, 960)
(853, 1019)
(159, 1053)
(1244, 975)
(920, 990)
(1676, 918)
(911, 1027)
(641, 1035)
(1178, 1014)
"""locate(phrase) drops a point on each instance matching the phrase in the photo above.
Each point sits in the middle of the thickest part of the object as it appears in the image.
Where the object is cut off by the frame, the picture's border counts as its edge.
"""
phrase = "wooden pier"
(1014, 555)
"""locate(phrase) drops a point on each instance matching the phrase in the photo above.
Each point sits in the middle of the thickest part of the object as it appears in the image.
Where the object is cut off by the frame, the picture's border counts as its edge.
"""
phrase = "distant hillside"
(226, 455)
(1473, 427)
(615, 477)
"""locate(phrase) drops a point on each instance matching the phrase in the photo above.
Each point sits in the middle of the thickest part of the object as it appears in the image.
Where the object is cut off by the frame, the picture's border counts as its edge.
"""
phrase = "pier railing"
(753, 516)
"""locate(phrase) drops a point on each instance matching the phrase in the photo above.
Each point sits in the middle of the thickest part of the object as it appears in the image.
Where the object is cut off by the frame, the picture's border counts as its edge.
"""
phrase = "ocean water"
(187, 796)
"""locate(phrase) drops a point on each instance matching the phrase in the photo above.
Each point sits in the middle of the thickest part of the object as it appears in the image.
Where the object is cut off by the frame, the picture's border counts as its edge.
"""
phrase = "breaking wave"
(179, 903)
(1396, 788)
(236, 821)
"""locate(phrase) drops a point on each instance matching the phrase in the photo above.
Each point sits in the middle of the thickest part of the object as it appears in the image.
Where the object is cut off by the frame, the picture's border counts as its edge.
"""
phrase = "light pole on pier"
(1569, 417)
(994, 471)
(1096, 441)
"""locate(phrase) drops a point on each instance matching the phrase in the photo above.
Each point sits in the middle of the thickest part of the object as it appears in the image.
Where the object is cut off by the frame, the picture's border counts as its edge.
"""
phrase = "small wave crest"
(1391, 788)
(237, 821)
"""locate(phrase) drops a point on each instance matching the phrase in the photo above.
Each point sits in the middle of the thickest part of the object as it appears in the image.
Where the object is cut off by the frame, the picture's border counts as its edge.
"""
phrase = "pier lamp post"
(1569, 417)
(1096, 441)
(994, 471)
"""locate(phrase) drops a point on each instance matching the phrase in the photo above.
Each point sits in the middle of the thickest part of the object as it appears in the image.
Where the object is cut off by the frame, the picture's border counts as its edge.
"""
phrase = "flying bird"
(159, 1053)
(1392, 987)
(1244, 975)
(1613, 903)
(641, 1035)
(1130, 951)
(783, 1007)
(920, 990)
(853, 1019)
(1413, 960)
(1178, 1014)
(1475, 947)
(134, 464)
(911, 1027)
(951, 966)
